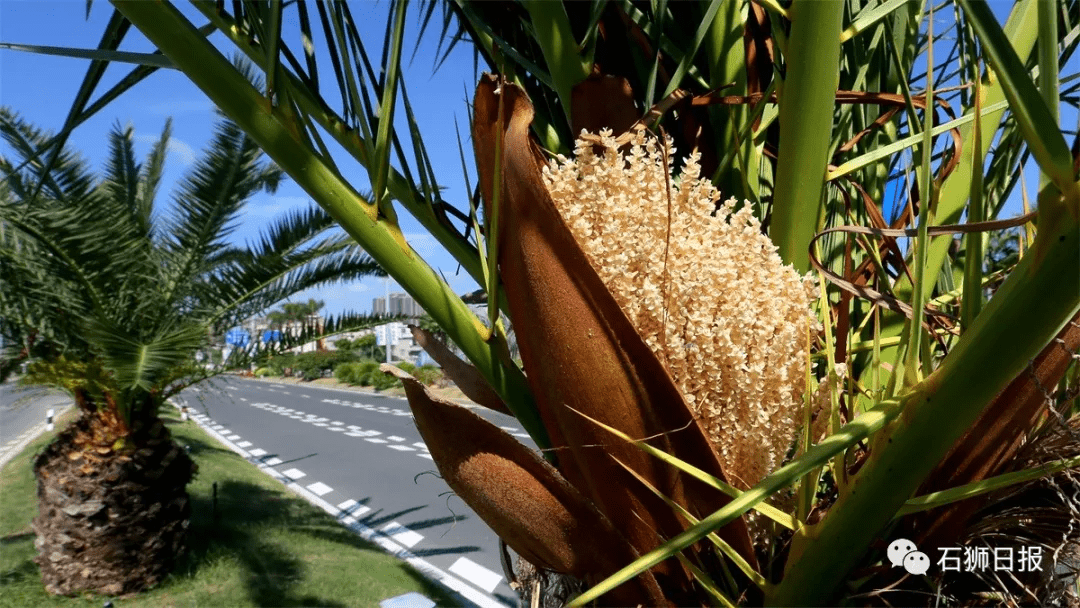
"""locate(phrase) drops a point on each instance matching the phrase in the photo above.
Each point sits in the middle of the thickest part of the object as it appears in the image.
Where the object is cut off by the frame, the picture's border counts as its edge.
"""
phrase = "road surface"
(360, 455)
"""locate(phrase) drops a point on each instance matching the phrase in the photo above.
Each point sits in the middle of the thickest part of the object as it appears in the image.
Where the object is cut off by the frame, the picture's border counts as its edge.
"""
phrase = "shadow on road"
(244, 525)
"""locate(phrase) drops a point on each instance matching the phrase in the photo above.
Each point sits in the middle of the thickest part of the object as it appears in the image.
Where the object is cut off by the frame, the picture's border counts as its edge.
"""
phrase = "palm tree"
(820, 118)
(111, 298)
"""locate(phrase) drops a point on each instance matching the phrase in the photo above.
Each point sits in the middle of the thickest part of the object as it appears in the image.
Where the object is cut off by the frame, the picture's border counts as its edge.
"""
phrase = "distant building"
(401, 303)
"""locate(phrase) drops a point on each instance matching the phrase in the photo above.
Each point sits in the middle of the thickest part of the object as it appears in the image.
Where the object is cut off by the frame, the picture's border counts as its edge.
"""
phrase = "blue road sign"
(237, 337)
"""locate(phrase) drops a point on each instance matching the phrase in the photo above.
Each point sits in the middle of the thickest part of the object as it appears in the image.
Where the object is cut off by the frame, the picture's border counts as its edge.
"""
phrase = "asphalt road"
(22, 414)
(362, 454)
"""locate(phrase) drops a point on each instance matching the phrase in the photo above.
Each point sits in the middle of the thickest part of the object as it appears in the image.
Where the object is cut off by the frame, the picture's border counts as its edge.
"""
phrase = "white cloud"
(424, 244)
(177, 148)
(272, 206)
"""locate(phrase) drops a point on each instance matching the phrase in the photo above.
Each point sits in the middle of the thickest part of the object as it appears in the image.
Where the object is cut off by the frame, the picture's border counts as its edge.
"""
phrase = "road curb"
(465, 592)
(7, 453)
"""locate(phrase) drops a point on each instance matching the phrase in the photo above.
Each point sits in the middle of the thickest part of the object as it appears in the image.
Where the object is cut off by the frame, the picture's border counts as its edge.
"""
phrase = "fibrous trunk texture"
(112, 521)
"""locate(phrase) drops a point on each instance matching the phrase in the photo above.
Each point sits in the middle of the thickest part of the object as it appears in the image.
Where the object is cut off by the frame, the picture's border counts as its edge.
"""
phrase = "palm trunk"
(112, 521)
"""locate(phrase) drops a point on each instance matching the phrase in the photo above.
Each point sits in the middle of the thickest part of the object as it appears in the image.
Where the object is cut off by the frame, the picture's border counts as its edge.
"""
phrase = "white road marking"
(428, 456)
(421, 445)
(257, 452)
(347, 512)
(320, 424)
(401, 534)
(525, 435)
(376, 440)
(401, 448)
(476, 574)
(243, 444)
(320, 488)
(218, 427)
(286, 392)
(353, 427)
(354, 509)
(337, 423)
(336, 428)
(364, 433)
(508, 429)
(306, 396)
(242, 399)
(232, 437)
(395, 438)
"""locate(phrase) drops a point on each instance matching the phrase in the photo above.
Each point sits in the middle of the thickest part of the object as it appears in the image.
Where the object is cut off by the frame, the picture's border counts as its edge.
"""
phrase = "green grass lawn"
(268, 547)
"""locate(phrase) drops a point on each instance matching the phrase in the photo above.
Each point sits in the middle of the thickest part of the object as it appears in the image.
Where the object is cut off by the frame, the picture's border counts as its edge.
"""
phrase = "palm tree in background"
(109, 297)
(297, 317)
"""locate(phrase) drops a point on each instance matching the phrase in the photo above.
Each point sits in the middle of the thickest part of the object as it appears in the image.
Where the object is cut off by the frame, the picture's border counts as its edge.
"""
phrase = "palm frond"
(209, 201)
(150, 177)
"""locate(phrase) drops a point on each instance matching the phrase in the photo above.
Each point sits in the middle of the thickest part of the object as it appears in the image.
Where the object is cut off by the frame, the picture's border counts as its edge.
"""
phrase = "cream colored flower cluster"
(706, 290)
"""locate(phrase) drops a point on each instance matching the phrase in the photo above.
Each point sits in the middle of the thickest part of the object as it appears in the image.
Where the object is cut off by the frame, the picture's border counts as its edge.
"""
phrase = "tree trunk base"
(111, 521)
(539, 588)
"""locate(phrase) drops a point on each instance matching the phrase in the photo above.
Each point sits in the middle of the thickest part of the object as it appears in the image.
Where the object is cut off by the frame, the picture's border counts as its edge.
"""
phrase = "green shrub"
(279, 363)
(406, 367)
(314, 365)
(349, 373)
(261, 372)
(381, 381)
(368, 370)
(429, 374)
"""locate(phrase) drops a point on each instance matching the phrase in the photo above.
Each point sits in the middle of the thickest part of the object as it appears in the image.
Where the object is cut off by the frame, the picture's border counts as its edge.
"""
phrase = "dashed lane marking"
(294, 474)
(402, 535)
(352, 508)
(476, 574)
(347, 512)
(320, 488)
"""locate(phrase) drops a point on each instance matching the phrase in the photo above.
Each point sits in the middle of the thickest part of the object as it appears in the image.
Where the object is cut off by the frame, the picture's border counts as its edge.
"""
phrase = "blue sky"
(41, 88)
